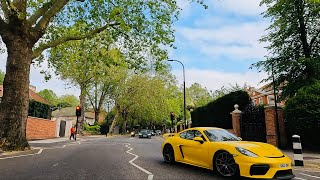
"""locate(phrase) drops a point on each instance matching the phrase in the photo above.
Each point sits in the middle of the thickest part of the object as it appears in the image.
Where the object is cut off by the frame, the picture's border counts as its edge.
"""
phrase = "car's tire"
(225, 165)
(168, 154)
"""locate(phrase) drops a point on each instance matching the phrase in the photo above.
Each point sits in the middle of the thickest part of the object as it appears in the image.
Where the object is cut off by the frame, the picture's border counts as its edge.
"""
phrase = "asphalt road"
(105, 158)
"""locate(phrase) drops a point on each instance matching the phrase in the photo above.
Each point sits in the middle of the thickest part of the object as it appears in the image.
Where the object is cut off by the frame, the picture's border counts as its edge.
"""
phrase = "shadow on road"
(197, 170)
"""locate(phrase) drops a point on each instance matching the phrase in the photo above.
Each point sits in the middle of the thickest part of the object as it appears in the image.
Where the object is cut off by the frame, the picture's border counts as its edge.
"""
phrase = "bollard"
(297, 150)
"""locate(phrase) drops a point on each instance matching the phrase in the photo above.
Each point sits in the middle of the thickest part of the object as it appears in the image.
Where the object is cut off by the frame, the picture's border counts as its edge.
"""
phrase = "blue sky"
(216, 45)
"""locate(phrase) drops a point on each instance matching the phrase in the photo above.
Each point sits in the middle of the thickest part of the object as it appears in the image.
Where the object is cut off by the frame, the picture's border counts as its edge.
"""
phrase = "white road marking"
(24, 155)
(150, 175)
(56, 164)
(299, 178)
(39, 152)
(131, 138)
(310, 175)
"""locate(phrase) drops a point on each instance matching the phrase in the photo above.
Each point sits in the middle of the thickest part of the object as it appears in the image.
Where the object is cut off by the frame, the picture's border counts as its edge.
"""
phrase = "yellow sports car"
(226, 154)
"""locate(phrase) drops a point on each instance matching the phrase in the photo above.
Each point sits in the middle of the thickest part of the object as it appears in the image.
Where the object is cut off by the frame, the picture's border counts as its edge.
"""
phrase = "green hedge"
(302, 113)
(92, 129)
(40, 110)
(217, 113)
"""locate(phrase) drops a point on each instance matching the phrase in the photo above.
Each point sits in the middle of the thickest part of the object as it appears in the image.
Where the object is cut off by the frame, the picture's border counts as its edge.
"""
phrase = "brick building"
(37, 128)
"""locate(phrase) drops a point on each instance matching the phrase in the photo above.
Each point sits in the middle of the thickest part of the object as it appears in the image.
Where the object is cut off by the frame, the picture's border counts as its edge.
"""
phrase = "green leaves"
(294, 43)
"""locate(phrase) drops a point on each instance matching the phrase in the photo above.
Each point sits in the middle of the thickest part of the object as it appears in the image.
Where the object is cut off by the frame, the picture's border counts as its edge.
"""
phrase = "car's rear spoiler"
(168, 135)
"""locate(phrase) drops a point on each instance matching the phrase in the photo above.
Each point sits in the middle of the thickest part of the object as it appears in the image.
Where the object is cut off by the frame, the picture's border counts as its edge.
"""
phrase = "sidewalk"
(46, 141)
(311, 160)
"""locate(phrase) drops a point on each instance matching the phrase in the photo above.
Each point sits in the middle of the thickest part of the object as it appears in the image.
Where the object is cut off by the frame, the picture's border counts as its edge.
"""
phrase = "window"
(183, 135)
(220, 135)
(254, 102)
(199, 134)
(270, 99)
(260, 101)
(190, 135)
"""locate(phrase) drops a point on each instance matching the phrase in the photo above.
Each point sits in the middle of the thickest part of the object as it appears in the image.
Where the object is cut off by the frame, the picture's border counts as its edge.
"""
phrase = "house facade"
(66, 118)
(264, 95)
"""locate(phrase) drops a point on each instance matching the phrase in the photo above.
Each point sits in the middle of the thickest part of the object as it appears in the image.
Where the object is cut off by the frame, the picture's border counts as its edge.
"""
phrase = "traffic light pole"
(75, 135)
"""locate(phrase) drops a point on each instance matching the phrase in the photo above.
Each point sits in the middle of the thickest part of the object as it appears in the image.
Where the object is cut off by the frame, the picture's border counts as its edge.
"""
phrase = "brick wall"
(38, 128)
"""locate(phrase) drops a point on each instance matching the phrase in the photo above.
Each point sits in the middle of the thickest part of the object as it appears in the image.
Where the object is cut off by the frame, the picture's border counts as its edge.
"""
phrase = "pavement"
(311, 160)
(115, 157)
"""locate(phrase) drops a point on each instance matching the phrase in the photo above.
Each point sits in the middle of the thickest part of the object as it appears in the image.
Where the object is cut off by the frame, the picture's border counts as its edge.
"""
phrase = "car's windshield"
(220, 135)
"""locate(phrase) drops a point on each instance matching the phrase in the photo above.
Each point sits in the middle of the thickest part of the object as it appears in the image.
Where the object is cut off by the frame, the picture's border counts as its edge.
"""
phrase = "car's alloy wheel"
(225, 164)
(168, 154)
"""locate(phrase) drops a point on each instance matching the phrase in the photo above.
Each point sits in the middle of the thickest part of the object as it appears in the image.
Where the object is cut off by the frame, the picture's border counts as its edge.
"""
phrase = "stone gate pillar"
(271, 126)
(236, 114)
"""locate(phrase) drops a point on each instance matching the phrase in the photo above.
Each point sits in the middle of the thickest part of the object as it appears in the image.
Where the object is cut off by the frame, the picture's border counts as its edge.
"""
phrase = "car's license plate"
(144, 135)
(283, 165)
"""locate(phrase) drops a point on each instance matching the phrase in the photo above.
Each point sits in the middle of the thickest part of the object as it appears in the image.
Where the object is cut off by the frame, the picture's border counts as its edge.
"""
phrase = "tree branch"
(21, 7)
(314, 38)
(57, 42)
(5, 9)
(41, 11)
(3, 26)
(90, 98)
(43, 23)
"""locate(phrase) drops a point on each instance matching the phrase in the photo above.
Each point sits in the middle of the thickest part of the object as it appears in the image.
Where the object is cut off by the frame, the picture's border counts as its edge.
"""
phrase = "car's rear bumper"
(265, 168)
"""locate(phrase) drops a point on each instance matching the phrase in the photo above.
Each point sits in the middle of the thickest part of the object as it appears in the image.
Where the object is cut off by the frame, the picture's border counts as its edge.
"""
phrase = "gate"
(252, 124)
(62, 128)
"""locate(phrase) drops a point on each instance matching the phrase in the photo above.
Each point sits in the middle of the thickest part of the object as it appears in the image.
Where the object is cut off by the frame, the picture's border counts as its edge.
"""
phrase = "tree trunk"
(82, 105)
(124, 123)
(15, 101)
(96, 116)
(114, 122)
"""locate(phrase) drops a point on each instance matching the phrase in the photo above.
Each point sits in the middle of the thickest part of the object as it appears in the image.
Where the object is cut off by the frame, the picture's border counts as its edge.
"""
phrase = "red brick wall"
(38, 128)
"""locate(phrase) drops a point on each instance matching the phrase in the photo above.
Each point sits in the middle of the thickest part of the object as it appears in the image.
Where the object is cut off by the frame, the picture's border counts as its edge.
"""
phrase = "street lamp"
(184, 92)
(275, 104)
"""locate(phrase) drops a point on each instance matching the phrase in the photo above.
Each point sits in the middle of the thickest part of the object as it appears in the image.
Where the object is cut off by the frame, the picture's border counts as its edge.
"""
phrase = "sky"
(216, 45)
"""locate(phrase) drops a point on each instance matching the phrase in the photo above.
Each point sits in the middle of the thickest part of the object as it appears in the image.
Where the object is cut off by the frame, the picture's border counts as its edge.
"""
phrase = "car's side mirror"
(240, 138)
(198, 139)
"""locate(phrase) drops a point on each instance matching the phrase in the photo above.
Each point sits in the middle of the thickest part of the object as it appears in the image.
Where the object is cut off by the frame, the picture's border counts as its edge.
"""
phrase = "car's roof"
(203, 128)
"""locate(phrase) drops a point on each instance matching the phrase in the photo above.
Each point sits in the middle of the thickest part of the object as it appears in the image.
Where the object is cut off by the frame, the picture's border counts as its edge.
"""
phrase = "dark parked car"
(158, 132)
(153, 133)
(144, 133)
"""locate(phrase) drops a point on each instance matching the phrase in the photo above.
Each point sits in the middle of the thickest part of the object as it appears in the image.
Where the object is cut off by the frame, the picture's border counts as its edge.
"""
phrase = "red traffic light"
(78, 111)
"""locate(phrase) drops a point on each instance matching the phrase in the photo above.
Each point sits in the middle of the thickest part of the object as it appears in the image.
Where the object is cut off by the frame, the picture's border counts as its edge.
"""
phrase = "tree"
(302, 114)
(49, 95)
(67, 101)
(85, 63)
(197, 95)
(101, 88)
(2, 74)
(294, 44)
(30, 27)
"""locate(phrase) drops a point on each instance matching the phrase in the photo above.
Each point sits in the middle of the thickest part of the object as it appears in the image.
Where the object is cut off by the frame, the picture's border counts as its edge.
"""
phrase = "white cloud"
(239, 41)
(185, 6)
(238, 7)
(213, 80)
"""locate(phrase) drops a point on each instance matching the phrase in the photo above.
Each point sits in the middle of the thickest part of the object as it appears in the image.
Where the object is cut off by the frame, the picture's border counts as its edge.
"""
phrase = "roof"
(64, 112)
(202, 128)
(32, 95)
(71, 112)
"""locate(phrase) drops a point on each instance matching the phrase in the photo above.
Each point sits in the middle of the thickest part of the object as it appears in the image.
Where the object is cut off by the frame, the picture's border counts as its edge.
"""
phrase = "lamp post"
(184, 93)
(275, 105)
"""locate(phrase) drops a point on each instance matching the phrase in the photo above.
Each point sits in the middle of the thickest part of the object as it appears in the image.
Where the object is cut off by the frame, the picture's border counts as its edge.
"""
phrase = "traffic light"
(172, 116)
(78, 111)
